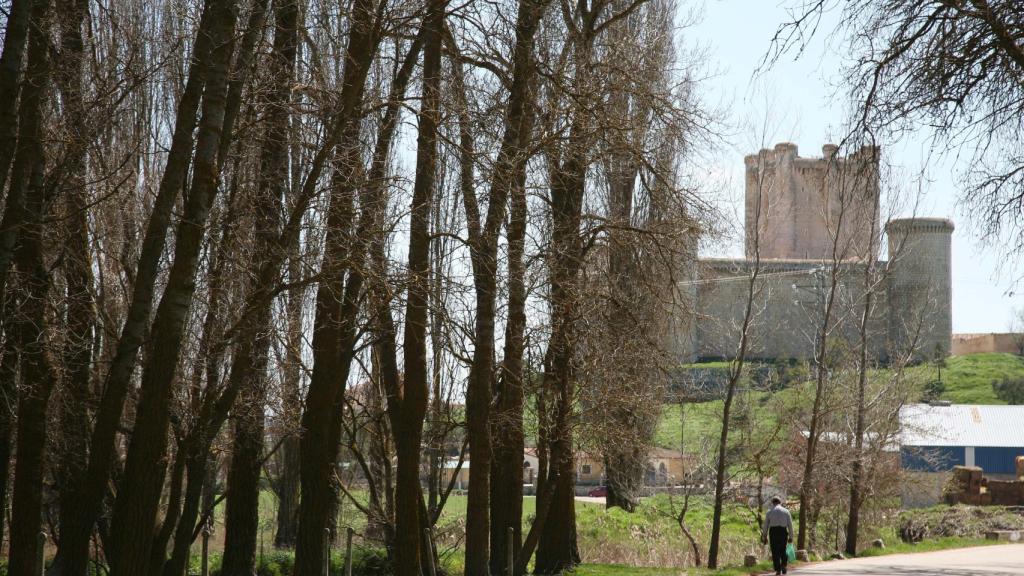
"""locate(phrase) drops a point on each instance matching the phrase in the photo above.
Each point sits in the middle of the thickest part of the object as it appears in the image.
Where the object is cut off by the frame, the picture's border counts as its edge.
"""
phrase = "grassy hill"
(967, 380)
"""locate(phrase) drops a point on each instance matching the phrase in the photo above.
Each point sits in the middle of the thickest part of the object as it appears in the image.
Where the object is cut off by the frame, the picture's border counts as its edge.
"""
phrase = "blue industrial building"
(936, 437)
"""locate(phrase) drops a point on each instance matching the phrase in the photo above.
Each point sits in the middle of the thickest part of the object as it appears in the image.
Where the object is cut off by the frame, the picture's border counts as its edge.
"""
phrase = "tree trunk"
(8, 402)
(735, 373)
(807, 488)
(507, 421)
(15, 38)
(80, 314)
(558, 550)
(509, 443)
(334, 329)
(384, 361)
(88, 505)
(37, 371)
(249, 368)
(407, 396)
(195, 469)
(136, 507)
(241, 522)
(483, 246)
(857, 466)
(287, 487)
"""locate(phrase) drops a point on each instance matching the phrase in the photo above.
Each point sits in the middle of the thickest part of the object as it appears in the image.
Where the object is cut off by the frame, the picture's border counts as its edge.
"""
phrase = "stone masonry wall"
(788, 308)
(803, 201)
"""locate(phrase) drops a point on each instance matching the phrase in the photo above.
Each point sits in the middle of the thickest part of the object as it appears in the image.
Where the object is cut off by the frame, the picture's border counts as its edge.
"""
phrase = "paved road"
(1005, 560)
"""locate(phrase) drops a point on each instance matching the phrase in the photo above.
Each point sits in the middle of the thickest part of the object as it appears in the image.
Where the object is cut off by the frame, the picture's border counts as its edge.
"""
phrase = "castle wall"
(788, 308)
(799, 203)
(1007, 342)
(794, 207)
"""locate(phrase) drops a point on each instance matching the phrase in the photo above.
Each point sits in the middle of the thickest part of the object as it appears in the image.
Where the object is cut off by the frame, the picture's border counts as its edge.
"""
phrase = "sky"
(796, 98)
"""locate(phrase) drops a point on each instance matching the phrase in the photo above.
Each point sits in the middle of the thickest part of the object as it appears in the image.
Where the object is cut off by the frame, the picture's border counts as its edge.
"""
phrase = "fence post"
(205, 562)
(348, 551)
(511, 554)
(41, 553)
(327, 552)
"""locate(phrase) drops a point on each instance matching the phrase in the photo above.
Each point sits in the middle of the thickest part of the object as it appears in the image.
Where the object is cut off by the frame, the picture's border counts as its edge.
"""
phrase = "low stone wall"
(965, 344)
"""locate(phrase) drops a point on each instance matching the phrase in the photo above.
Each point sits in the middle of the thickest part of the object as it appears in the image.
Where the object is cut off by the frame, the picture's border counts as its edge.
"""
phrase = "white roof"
(962, 425)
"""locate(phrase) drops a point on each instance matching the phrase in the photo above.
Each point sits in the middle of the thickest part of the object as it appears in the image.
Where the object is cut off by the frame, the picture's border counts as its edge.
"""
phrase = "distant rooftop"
(962, 425)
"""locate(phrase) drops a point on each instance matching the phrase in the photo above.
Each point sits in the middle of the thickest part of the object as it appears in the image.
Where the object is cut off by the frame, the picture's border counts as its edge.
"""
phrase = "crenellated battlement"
(803, 207)
(798, 207)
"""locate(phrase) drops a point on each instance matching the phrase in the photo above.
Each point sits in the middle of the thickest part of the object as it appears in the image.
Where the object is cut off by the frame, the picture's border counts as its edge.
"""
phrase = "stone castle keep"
(801, 215)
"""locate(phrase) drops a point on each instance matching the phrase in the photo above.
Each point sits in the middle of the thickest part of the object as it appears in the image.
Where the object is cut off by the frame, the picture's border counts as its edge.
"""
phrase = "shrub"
(933, 390)
(1009, 390)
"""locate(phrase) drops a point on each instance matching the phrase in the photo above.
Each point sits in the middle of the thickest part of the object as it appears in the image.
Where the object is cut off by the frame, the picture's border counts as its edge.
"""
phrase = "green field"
(968, 379)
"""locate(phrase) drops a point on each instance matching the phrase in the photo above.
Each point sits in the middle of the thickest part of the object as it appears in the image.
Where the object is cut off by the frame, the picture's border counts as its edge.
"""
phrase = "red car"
(599, 492)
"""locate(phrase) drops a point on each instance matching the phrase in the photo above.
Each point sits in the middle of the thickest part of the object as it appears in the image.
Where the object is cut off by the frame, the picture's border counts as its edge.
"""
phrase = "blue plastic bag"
(791, 552)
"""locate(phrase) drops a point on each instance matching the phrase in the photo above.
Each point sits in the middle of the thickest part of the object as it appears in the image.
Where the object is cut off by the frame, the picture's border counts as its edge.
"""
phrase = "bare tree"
(754, 288)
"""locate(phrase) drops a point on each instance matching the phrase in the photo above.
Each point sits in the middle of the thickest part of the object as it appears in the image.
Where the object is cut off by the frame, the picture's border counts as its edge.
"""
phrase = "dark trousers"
(778, 537)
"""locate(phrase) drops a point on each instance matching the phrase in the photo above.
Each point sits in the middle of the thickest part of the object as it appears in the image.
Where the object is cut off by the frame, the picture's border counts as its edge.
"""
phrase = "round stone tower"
(920, 285)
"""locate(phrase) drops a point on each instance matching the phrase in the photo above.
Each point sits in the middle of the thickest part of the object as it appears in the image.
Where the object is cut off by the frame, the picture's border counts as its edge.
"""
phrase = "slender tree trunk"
(509, 441)
(75, 537)
(80, 314)
(249, 369)
(137, 502)
(8, 401)
(407, 396)
(195, 476)
(334, 329)
(857, 466)
(807, 488)
(37, 371)
(25, 199)
(479, 389)
(287, 487)
(172, 513)
(557, 550)
(484, 257)
(16, 36)
(288, 483)
(385, 366)
(241, 523)
(507, 422)
(624, 465)
(735, 373)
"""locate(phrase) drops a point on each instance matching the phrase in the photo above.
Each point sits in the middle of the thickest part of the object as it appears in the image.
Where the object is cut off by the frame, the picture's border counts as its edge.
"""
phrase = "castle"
(809, 220)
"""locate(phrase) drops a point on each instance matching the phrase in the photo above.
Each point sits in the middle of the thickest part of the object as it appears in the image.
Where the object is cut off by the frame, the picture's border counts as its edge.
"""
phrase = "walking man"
(777, 532)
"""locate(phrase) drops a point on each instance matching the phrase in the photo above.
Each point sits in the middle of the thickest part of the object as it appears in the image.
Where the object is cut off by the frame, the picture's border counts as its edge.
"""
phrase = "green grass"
(691, 424)
(929, 545)
(968, 379)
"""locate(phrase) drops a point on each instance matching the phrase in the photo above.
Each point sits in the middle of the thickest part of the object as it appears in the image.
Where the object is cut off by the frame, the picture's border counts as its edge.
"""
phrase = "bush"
(1009, 390)
(933, 390)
